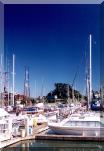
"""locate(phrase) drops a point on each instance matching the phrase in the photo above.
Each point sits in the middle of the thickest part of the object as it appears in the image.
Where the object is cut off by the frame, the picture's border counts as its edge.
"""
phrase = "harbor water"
(52, 145)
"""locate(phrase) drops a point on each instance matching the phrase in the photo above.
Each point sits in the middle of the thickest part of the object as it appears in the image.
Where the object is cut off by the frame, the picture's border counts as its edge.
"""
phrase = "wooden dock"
(67, 137)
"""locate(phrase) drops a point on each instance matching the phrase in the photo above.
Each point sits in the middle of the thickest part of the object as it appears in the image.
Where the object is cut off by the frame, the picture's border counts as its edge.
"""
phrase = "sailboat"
(88, 123)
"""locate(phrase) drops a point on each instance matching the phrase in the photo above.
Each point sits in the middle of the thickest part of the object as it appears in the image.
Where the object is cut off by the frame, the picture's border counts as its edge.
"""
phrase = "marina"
(50, 93)
(67, 121)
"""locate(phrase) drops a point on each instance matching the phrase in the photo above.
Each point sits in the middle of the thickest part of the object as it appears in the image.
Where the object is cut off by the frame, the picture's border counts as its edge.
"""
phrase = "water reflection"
(34, 145)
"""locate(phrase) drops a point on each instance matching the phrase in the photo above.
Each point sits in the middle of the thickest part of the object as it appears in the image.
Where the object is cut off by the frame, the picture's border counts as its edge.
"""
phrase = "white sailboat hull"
(77, 131)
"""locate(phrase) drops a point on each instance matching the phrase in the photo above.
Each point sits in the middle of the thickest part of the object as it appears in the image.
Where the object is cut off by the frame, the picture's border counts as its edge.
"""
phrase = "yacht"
(88, 124)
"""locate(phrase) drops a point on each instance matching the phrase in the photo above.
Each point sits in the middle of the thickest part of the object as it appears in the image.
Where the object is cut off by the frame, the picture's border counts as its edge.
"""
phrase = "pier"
(67, 137)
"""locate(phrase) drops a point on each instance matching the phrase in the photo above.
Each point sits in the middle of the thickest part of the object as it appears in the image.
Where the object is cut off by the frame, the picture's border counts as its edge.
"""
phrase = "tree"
(63, 91)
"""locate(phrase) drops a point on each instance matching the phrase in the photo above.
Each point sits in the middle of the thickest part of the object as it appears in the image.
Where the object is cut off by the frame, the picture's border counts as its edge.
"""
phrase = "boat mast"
(87, 89)
(42, 89)
(26, 86)
(68, 100)
(1, 80)
(90, 74)
(13, 78)
(73, 94)
(8, 80)
(35, 90)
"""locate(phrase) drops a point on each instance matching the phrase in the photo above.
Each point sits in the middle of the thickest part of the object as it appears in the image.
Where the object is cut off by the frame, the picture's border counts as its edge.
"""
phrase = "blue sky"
(51, 40)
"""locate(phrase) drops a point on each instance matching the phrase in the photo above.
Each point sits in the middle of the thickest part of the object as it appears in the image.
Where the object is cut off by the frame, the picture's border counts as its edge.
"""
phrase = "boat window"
(101, 124)
(84, 123)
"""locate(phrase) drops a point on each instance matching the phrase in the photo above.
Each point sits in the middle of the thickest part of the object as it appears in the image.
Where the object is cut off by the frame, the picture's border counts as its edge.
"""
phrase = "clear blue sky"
(51, 40)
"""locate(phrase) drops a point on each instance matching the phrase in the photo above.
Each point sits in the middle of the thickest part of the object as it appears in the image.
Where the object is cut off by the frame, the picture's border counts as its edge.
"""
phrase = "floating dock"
(67, 137)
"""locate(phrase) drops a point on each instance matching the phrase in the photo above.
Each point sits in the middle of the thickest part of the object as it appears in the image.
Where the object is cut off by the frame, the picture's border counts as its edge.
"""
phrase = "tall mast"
(87, 90)
(68, 94)
(13, 77)
(26, 83)
(90, 74)
(73, 94)
(35, 90)
(8, 80)
(42, 88)
(1, 80)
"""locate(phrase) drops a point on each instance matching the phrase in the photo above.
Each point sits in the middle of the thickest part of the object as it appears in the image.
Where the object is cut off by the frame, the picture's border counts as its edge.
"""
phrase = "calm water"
(43, 145)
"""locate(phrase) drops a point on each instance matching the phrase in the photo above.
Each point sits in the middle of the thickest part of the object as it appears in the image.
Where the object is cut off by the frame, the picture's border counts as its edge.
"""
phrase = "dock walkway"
(67, 137)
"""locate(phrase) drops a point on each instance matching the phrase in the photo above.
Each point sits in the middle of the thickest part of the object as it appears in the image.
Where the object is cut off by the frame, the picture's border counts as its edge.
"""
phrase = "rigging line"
(78, 67)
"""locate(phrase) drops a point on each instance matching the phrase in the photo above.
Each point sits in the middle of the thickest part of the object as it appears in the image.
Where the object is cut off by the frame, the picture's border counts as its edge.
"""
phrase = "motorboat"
(88, 124)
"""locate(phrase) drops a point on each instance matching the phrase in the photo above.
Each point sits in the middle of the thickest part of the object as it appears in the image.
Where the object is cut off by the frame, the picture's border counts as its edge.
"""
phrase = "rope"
(78, 67)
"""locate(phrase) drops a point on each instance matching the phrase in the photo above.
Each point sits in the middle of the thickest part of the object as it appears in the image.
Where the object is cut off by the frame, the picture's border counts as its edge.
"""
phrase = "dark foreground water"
(43, 145)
